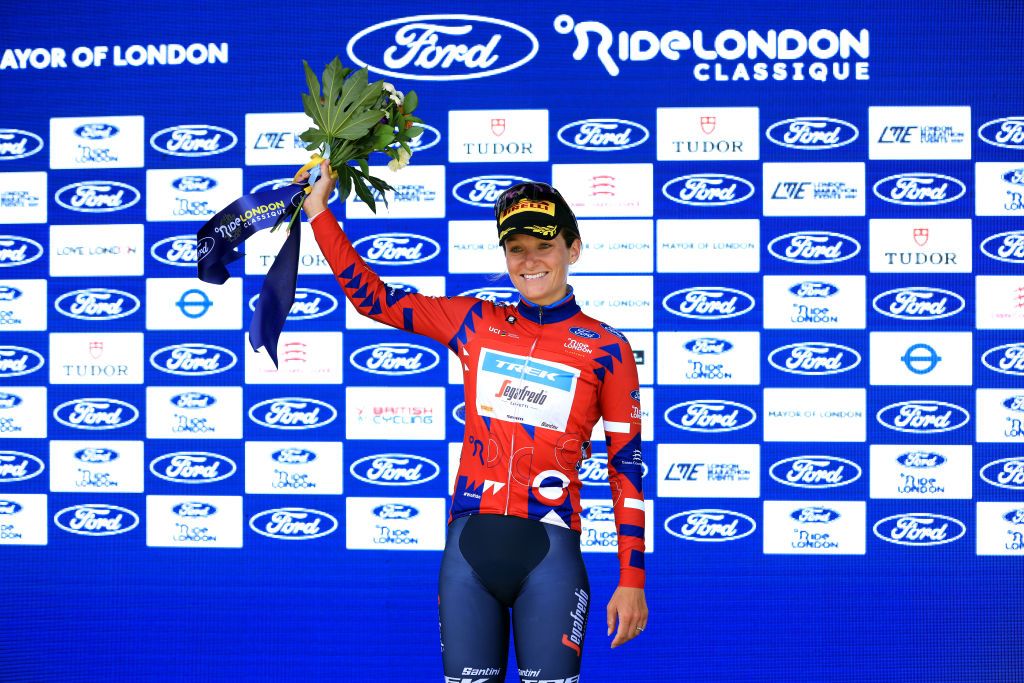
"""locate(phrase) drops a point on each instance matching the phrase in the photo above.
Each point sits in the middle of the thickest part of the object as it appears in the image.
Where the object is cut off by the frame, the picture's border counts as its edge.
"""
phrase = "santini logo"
(812, 132)
(815, 471)
(813, 246)
(708, 189)
(293, 524)
(190, 467)
(393, 469)
(193, 141)
(603, 135)
(97, 196)
(710, 526)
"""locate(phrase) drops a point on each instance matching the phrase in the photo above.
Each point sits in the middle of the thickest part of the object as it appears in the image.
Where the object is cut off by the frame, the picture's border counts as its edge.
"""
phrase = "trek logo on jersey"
(814, 358)
(708, 189)
(18, 466)
(603, 135)
(922, 417)
(394, 469)
(918, 303)
(710, 526)
(293, 524)
(308, 304)
(496, 295)
(812, 132)
(97, 303)
(396, 249)
(919, 189)
(193, 360)
(1006, 473)
(18, 144)
(96, 520)
(710, 416)
(1006, 132)
(394, 359)
(813, 247)
(919, 528)
(292, 413)
(708, 303)
(525, 390)
(815, 471)
(18, 251)
(193, 141)
(484, 190)
(95, 413)
(16, 361)
(1005, 246)
(97, 196)
(193, 467)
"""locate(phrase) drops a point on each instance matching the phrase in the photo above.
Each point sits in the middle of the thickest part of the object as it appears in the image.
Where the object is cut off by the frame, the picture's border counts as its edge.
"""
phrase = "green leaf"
(314, 110)
(414, 132)
(344, 183)
(365, 195)
(311, 82)
(411, 102)
(363, 166)
(358, 125)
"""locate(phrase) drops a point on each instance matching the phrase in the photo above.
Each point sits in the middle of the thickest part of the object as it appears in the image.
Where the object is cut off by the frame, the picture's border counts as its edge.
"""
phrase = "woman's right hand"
(316, 200)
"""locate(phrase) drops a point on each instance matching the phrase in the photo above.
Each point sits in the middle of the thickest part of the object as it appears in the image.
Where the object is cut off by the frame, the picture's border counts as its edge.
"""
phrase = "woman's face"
(539, 269)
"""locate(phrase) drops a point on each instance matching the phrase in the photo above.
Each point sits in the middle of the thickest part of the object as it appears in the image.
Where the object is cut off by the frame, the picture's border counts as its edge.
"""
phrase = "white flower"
(401, 162)
(397, 96)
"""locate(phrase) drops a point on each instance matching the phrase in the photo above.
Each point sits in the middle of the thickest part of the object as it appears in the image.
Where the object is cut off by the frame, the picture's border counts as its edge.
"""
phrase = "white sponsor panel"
(97, 466)
(999, 188)
(273, 139)
(921, 471)
(606, 190)
(23, 305)
(23, 197)
(382, 413)
(194, 412)
(1000, 415)
(294, 467)
(933, 245)
(921, 358)
(302, 358)
(454, 460)
(709, 470)
(430, 286)
(23, 519)
(830, 415)
(23, 413)
(473, 248)
(529, 391)
(646, 421)
(597, 526)
(642, 344)
(814, 302)
(999, 302)
(498, 135)
(96, 358)
(708, 133)
(709, 246)
(192, 194)
(179, 303)
(395, 523)
(814, 189)
(616, 247)
(919, 133)
(96, 250)
(419, 192)
(1000, 528)
(709, 358)
(188, 521)
(263, 247)
(624, 302)
(97, 142)
(814, 527)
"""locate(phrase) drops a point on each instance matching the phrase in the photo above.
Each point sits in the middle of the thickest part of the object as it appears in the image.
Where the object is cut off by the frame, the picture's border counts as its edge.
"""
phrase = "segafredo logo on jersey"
(710, 416)
(1006, 473)
(179, 250)
(496, 295)
(919, 528)
(308, 304)
(814, 515)
(18, 144)
(815, 471)
(193, 467)
(18, 466)
(18, 251)
(442, 47)
(813, 247)
(97, 303)
(97, 196)
(814, 358)
(193, 360)
(812, 289)
(97, 131)
(708, 303)
(16, 361)
(96, 455)
(918, 303)
(193, 141)
(705, 346)
(922, 417)
(192, 400)
(921, 459)
(394, 469)
(812, 132)
(292, 413)
(483, 190)
(710, 525)
(1006, 246)
(919, 189)
(1007, 359)
(96, 520)
(397, 249)
(293, 524)
(394, 359)
(193, 510)
(708, 189)
(594, 471)
(1005, 132)
(395, 511)
(603, 135)
(95, 413)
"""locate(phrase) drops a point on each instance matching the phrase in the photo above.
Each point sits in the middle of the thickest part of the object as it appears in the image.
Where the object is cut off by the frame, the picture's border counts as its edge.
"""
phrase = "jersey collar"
(556, 312)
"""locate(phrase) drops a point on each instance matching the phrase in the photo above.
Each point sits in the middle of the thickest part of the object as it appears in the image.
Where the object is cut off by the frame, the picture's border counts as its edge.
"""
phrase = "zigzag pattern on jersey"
(468, 326)
(369, 305)
(613, 353)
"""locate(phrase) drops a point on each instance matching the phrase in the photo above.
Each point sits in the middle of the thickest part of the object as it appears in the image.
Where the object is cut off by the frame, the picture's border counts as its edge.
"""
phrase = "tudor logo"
(921, 236)
(707, 124)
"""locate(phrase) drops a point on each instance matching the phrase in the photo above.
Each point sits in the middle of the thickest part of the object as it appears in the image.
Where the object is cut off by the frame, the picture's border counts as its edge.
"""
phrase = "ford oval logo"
(812, 132)
(603, 135)
(9, 400)
(18, 466)
(1006, 246)
(18, 360)
(9, 507)
(710, 416)
(308, 304)
(584, 333)
(815, 471)
(918, 303)
(97, 303)
(292, 413)
(97, 455)
(18, 144)
(179, 250)
(1014, 403)
(919, 189)
(708, 303)
(97, 131)
(95, 413)
(1005, 132)
(442, 47)
(919, 528)
(194, 509)
(193, 141)
(293, 524)
(459, 413)
(395, 511)
(704, 346)
(496, 295)
(193, 360)
(96, 520)
(10, 293)
(814, 246)
(394, 358)
(1014, 177)
(710, 525)
(193, 400)
(193, 183)
(394, 469)
(293, 456)
(813, 290)
(635, 394)
(18, 251)
(483, 190)
(430, 137)
(1015, 517)
(814, 358)
(922, 417)
(193, 467)
(396, 249)
(921, 459)
(97, 196)
(599, 513)
(205, 247)
(708, 189)
(594, 472)
(814, 515)
(1007, 358)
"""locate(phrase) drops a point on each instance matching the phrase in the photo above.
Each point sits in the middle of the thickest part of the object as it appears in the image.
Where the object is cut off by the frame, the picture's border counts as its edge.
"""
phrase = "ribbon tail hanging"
(277, 295)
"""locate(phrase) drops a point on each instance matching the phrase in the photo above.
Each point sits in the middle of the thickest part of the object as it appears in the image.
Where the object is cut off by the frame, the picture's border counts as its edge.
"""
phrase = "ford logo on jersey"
(308, 304)
(9, 507)
(497, 295)
(814, 515)
(17, 466)
(193, 360)
(483, 190)
(811, 289)
(194, 509)
(710, 416)
(192, 400)
(442, 47)
(292, 413)
(394, 358)
(179, 250)
(814, 358)
(919, 528)
(293, 456)
(1007, 359)
(97, 196)
(708, 189)
(710, 525)
(707, 346)
(18, 144)
(95, 413)
(815, 471)
(708, 303)
(920, 459)
(193, 183)
(919, 189)
(603, 135)
(188, 467)
(293, 524)
(96, 455)
(395, 511)
(18, 360)
(584, 333)
(97, 131)
(394, 469)
(1006, 473)
(812, 132)
(918, 303)
(1014, 177)
(97, 303)
(1006, 246)
(9, 400)
(193, 141)
(430, 137)
(635, 394)
(814, 246)
(396, 249)
(594, 471)
(923, 417)
(96, 520)
(18, 251)
(1005, 132)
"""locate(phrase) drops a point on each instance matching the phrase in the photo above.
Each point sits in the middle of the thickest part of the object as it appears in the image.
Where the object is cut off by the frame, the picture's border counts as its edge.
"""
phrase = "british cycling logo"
(710, 416)
(708, 189)
(1005, 132)
(18, 251)
(710, 525)
(95, 413)
(1006, 473)
(919, 189)
(16, 361)
(97, 303)
(18, 144)
(394, 359)
(814, 358)
(179, 250)
(96, 519)
(1005, 246)
(96, 456)
(708, 303)
(483, 190)
(814, 246)
(193, 360)
(193, 467)
(815, 471)
(603, 135)
(919, 528)
(922, 417)
(394, 469)
(293, 524)
(193, 140)
(918, 303)
(812, 132)
(18, 466)
(292, 413)
(97, 196)
(396, 249)
(308, 304)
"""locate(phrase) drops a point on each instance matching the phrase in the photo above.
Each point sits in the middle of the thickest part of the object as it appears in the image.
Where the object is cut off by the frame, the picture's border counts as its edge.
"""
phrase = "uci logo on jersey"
(812, 132)
(18, 144)
(603, 135)
(18, 360)
(293, 524)
(814, 358)
(918, 528)
(97, 196)
(292, 413)
(395, 511)
(918, 303)
(815, 471)
(710, 525)
(484, 190)
(814, 246)
(193, 141)
(708, 189)
(97, 303)
(189, 467)
(18, 466)
(95, 413)
(96, 520)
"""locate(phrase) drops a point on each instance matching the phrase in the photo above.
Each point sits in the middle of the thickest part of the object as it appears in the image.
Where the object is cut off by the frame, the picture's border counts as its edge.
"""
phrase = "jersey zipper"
(512, 440)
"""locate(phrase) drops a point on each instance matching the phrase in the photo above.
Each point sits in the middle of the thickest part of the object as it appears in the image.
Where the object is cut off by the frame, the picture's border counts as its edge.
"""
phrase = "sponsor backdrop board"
(807, 220)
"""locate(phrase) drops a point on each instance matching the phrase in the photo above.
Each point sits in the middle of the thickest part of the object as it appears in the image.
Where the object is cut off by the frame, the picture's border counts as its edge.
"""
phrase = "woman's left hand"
(629, 606)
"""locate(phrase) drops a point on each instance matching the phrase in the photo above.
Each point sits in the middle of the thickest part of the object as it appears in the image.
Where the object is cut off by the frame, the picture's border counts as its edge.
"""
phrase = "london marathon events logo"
(396, 249)
(179, 250)
(97, 303)
(813, 247)
(812, 132)
(708, 303)
(18, 466)
(96, 520)
(603, 135)
(814, 358)
(18, 144)
(95, 413)
(708, 189)
(1005, 132)
(442, 47)
(919, 528)
(97, 196)
(1006, 246)
(710, 525)
(922, 417)
(710, 416)
(394, 469)
(193, 360)
(193, 141)
(308, 305)
(815, 471)
(394, 359)
(919, 189)
(18, 251)
(293, 524)
(918, 303)
(483, 190)
(292, 413)
(16, 361)
(193, 467)
(1006, 473)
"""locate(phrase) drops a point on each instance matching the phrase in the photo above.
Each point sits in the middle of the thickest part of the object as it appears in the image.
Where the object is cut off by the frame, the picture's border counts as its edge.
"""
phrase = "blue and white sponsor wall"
(807, 220)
